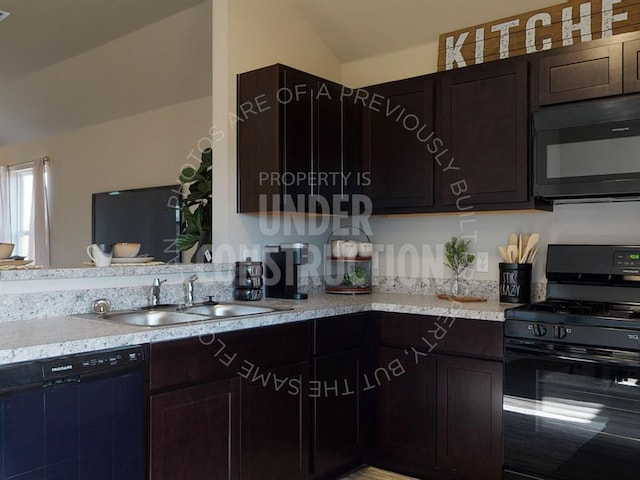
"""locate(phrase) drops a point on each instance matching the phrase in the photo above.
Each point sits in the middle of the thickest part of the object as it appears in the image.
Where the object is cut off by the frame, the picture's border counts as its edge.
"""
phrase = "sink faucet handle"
(155, 291)
(188, 287)
(210, 300)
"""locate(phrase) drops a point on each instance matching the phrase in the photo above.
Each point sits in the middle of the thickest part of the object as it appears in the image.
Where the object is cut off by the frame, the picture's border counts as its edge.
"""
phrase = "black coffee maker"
(282, 270)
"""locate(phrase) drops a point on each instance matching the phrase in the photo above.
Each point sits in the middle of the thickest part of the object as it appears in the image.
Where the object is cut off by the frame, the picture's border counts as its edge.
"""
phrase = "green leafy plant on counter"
(457, 256)
(197, 206)
(357, 278)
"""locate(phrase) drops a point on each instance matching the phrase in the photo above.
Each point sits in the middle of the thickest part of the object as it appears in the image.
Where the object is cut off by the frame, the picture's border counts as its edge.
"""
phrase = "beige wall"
(143, 150)
(258, 34)
(125, 114)
(249, 34)
(407, 63)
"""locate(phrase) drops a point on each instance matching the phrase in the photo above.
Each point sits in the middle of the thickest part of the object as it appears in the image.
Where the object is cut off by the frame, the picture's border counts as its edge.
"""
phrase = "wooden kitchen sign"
(571, 22)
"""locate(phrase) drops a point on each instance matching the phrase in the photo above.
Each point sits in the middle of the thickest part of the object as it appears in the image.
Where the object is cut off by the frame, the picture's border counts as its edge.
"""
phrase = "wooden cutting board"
(461, 298)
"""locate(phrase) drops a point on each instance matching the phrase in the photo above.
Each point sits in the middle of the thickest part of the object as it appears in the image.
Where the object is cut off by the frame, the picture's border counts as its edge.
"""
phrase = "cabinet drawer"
(336, 334)
(462, 336)
(185, 362)
(202, 359)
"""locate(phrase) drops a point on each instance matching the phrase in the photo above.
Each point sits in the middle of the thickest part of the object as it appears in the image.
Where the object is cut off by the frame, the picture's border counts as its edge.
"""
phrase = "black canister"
(248, 280)
(515, 282)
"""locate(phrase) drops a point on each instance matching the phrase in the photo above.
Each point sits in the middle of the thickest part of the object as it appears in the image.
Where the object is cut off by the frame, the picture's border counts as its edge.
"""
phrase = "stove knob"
(559, 331)
(539, 330)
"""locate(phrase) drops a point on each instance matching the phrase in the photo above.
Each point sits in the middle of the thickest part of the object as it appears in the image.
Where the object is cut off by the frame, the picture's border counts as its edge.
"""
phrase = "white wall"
(143, 150)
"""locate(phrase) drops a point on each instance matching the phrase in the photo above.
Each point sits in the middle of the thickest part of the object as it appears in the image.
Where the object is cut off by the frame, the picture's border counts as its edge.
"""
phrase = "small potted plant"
(457, 259)
(197, 207)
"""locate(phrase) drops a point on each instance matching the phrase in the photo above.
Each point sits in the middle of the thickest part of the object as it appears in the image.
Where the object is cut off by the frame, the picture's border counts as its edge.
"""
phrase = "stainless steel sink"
(226, 310)
(163, 315)
(149, 318)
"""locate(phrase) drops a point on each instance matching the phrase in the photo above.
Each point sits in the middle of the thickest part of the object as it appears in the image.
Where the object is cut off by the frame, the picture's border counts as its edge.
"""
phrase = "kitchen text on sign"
(560, 25)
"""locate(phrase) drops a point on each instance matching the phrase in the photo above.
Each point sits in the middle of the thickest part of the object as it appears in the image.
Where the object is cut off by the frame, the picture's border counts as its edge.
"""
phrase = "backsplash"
(30, 294)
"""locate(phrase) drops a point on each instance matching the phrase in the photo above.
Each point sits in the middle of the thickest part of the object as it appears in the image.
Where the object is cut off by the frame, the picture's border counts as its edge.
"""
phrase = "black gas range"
(571, 405)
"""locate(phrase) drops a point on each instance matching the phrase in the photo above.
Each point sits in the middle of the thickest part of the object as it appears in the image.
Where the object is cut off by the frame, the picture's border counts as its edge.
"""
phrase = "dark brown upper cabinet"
(397, 128)
(296, 142)
(580, 73)
(631, 63)
(600, 68)
(483, 124)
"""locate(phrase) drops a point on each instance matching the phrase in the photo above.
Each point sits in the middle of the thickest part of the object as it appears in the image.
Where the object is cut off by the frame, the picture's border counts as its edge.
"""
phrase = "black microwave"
(587, 150)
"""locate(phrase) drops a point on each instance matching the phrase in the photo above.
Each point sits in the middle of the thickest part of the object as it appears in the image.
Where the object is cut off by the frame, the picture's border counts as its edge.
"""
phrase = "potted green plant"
(457, 259)
(197, 206)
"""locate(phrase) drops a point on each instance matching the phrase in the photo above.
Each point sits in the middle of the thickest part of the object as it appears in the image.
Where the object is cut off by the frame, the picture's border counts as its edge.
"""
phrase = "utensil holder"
(515, 282)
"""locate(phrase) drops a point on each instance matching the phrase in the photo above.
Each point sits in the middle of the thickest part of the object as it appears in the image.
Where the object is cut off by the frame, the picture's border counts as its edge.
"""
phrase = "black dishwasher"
(78, 417)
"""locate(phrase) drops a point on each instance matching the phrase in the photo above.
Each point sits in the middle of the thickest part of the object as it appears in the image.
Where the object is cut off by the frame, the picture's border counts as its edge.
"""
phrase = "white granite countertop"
(49, 337)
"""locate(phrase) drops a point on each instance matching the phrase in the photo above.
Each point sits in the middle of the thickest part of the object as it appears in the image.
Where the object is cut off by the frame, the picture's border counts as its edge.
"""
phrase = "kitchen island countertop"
(55, 336)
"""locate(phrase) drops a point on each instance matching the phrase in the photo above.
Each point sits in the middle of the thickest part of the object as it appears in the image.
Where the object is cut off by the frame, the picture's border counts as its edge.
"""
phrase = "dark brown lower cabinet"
(194, 432)
(406, 412)
(338, 413)
(274, 424)
(441, 418)
(469, 417)
(263, 408)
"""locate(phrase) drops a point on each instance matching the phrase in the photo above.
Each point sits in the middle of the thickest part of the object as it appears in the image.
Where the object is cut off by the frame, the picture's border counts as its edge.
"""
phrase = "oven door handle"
(599, 355)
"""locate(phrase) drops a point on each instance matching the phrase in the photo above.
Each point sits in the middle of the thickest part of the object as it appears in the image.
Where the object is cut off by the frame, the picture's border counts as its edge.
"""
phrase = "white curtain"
(39, 241)
(5, 211)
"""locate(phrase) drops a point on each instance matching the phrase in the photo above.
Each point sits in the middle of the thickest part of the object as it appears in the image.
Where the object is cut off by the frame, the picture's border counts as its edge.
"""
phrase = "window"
(20, 201)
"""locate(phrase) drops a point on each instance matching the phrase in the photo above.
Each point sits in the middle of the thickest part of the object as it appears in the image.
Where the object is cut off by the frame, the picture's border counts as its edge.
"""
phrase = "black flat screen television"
(145, 215)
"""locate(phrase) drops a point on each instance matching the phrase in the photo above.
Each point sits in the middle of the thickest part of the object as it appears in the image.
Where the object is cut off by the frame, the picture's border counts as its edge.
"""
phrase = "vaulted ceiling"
(69, 63)
(357, 29)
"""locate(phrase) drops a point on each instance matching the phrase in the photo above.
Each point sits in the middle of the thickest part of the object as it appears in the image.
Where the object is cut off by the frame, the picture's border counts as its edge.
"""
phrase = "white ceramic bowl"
(5, 250)
(349, 249)
(365, 249)
(125, 250)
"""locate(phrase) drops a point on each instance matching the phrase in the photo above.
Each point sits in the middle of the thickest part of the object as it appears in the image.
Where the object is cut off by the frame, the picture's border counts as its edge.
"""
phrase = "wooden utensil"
(513, 239)
(503, 253)
(512, 253)
(533, 241)
(520, 247)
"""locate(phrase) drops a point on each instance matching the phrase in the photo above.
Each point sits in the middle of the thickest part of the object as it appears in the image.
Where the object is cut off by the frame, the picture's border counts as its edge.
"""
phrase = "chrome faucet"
(155, 292)
(188, 289)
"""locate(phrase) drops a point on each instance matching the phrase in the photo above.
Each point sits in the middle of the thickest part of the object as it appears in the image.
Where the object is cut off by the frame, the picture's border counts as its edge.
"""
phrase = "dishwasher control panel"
(71, 368)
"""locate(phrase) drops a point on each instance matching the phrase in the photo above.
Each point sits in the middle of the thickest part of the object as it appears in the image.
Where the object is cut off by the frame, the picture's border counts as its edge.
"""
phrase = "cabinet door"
(579, 74)
(299, 123)
(406, 411)
(274, 424)
(194, 432)
(336, 395)
(397, 127)
(484, 125)
(329, 159)
(631, 70)
(259, 142)
(470, 417)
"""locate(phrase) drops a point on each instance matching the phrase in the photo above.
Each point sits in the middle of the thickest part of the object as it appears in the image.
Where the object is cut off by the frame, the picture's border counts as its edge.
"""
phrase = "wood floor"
(371, 473)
